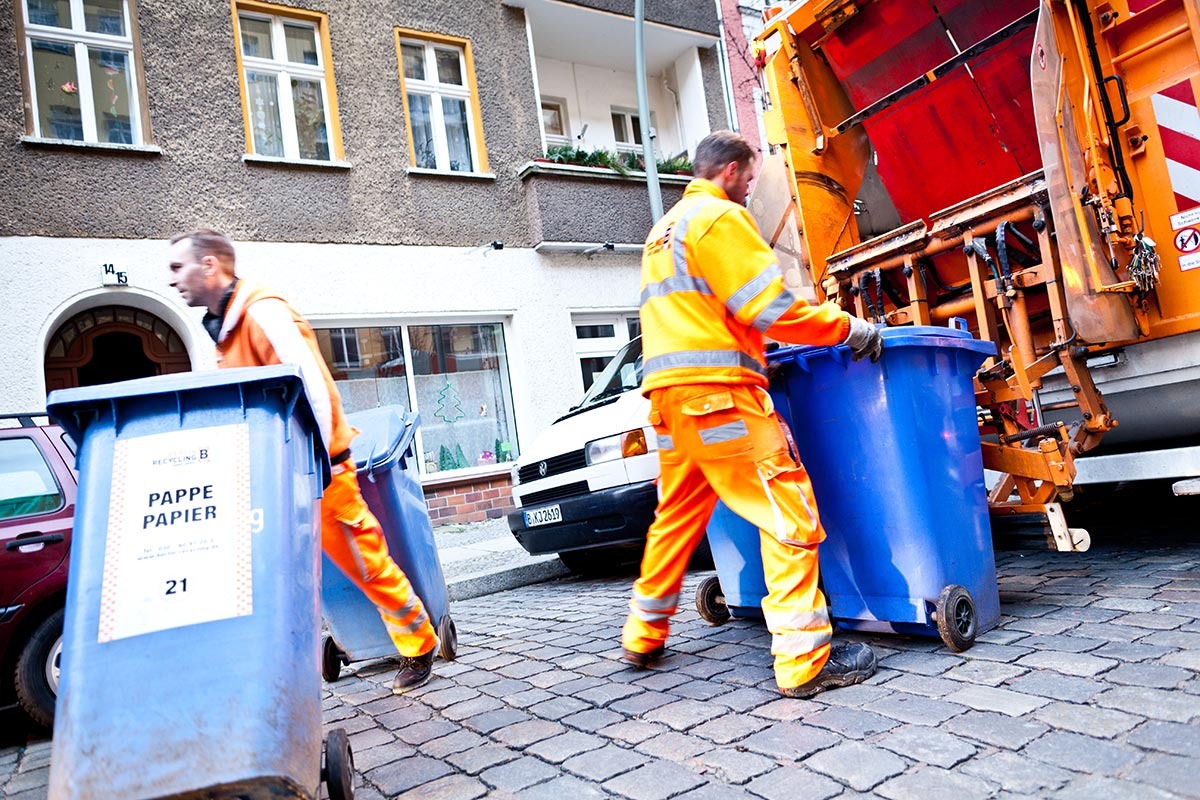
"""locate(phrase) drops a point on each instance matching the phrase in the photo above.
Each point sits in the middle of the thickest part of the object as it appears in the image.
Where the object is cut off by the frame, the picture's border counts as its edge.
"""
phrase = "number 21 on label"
(177, 587)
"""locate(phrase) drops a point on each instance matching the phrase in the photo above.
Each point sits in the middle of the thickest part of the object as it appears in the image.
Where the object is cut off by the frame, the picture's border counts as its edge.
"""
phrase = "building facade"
(381, 164)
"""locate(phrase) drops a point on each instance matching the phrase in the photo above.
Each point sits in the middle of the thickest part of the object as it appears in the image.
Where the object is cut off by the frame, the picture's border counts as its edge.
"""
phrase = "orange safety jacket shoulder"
(260, 328)
(711, 290)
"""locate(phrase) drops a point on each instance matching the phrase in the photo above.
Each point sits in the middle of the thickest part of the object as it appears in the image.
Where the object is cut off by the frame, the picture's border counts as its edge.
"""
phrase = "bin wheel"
(710, 601)
(339, 766)
(956, 618)
(447, 638)
(332, 659)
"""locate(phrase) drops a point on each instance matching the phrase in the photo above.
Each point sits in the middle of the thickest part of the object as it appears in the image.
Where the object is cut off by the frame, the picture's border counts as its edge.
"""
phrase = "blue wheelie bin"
(191, 637)
(385, 451)
(893, 453)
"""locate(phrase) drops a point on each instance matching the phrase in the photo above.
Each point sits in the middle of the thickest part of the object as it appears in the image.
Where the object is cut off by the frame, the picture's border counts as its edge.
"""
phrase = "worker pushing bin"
(388, 476)
(190, 643)
(893, 452)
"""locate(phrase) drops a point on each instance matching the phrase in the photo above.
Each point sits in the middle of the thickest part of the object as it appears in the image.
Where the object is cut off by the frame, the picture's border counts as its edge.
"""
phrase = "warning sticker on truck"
(179, 525)
(1185, 218)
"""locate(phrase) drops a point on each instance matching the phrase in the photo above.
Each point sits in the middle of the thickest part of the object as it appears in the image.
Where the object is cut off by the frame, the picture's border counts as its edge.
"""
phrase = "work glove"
(863, 340)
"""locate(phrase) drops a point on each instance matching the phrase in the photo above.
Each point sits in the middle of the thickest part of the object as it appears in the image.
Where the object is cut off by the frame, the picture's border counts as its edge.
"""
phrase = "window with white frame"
(554, 122)
(287, 86)
(599, 337)
(440, 103)
(455, 376)
(627, 129)
(83, 78)
(344, 342)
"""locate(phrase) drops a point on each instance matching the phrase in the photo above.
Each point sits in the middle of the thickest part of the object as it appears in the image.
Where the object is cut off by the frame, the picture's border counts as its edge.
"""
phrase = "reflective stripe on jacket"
(711, 290)
(260, 328)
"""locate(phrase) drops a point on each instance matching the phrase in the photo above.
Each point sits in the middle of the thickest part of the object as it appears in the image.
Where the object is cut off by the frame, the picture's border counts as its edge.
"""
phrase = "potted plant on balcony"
(622, 163)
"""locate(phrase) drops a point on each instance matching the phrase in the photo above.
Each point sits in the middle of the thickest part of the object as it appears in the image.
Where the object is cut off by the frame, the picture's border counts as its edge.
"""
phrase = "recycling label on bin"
(179, 529)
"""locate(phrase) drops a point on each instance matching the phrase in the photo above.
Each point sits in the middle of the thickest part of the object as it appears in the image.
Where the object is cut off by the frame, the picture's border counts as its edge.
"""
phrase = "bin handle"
(957, 323)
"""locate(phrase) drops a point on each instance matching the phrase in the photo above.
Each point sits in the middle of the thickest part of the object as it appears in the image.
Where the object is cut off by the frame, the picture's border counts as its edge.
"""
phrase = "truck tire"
(36, 675)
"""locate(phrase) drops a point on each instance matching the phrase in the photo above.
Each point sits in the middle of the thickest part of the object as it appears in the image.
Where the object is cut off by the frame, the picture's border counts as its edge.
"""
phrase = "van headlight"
(610, 448)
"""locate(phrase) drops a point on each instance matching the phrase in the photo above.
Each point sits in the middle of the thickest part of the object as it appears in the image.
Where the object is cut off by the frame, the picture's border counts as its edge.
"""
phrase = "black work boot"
(848, 664)
(414, 671)
(645, 660)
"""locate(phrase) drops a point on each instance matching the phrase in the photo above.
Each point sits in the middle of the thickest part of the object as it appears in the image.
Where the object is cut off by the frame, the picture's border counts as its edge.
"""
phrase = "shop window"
(455, 376)
(82, 71)
(441, 102)
(286, 75)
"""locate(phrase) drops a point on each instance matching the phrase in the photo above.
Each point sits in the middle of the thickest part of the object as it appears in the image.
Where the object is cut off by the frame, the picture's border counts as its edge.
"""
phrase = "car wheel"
(36, 677)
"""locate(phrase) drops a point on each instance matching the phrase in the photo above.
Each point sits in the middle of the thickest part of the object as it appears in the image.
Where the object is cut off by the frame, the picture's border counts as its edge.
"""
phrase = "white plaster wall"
(535, 295)
(591, 92)
(690, 82)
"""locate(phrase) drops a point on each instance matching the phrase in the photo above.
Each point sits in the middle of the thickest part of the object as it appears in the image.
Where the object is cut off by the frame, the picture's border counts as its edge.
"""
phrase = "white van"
(586, 489)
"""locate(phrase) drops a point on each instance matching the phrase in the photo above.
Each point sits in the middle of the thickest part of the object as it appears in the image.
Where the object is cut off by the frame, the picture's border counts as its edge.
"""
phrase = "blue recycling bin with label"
(385, 454)
(191, 637)
(893, 452)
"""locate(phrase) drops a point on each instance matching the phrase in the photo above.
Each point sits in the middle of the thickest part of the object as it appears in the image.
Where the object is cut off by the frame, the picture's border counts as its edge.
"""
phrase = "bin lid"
(900, 336)
(64, 405)
(384, 434)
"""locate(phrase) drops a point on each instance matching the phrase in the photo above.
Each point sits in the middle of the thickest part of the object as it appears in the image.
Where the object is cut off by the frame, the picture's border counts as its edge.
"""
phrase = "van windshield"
(623, 373)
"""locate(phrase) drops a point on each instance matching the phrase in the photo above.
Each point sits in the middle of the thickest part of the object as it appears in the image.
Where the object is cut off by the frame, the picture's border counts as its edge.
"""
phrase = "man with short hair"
(711, 290)
(254, 327)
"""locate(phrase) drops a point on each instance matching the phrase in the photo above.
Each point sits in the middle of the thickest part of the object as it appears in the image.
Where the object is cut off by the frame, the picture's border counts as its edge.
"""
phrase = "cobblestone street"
(1089, 688)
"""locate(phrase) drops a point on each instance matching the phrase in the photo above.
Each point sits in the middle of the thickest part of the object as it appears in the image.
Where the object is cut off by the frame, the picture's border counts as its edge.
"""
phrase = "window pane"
(635, 327)
(367, 364)
(104, 16)
(27, 485)
(57, 90)
(458, 137)
(310, 119)
(112, 90)
(414, 61)
(422, 130)
(50, 12)
(448, 67)
(636, 124)
(256, 37)
(301, 44)
(592, 366)
(552, 122)
(595, 331)
(264, 113)
(619, 130)
(460, 373)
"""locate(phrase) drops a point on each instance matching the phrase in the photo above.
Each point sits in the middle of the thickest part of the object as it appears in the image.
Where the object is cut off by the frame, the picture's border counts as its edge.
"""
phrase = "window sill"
(251, 158)
(74, 144)
(437, 173)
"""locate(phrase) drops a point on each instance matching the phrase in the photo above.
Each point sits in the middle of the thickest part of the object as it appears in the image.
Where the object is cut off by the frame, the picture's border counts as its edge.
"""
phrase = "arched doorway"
(112, 343)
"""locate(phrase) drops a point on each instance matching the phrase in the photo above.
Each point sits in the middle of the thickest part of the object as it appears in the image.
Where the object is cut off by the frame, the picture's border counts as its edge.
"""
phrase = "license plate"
(543, 516)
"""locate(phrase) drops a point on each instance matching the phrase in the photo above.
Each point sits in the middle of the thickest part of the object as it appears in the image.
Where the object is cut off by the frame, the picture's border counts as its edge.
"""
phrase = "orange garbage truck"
(1031, 167)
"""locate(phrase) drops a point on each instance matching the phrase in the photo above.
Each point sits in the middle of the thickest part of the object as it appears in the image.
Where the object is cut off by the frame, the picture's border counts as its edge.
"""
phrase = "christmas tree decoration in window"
(449, 408)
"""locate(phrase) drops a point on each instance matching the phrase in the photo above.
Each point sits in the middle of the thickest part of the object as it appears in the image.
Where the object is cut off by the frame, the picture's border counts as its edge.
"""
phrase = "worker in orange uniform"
(253, 327)
(711, 290)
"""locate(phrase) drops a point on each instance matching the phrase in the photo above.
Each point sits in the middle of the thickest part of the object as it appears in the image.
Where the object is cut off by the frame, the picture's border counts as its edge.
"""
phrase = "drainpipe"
(639, 71)
(726, 73)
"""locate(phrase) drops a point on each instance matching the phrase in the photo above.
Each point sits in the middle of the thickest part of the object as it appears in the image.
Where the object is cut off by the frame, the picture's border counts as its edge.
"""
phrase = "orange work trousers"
(721, 441)
(352, 538)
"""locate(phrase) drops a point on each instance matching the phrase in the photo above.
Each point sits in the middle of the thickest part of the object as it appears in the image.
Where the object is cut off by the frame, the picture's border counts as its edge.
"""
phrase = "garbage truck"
(1031, 167)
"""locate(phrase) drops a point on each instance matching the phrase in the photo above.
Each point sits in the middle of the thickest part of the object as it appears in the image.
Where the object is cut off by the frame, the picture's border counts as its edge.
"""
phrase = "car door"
(37, 505)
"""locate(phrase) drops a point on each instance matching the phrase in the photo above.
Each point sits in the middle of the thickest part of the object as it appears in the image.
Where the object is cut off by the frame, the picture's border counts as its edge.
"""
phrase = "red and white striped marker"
(1179, 130)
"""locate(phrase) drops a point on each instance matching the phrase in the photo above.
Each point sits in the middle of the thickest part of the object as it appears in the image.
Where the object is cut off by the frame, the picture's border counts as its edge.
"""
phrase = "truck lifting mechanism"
(1032, 167)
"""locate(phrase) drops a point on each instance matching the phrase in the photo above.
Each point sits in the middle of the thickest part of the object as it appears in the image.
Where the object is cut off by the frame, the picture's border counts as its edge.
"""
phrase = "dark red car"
(37, 504)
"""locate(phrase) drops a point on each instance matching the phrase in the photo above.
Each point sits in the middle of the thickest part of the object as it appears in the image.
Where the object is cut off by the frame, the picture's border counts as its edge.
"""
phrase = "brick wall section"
(474, 501)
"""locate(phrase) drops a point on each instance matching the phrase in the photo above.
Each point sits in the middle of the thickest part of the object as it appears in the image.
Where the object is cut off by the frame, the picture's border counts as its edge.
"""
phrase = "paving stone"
(1017, 773)
(425, 731)
(995, 729)
(678, 747)
(859, 766)
(604, 763)
(684, 714)
(1189, 659)
(931, 783)
(371, 737)
(729, 728)
(917, 709)
(477, 759)
(701, 690)
(789, 741)
(1092, 787)
(1081, 753)
(923, 685)
(745, 699)
(716, 791)
(853, 722)
(1005, 701)
(407, 773)
(593, 719)
(607, 693)
(1169, 737)
(662, 681)
(401, 717)
(1079, 664)
(449, 696)
(793, 782)
(470, 708)
(559, 748)
(642, 703)
(632, 731)
(517, 775)
(495, 720)
(526, 733)
(787, 709)
(996, 652)
(454, 743)
(558, 708)
(1099, 722)
(564, 787)
(927, 745)
(452, 787)
(1062, 642)
(732, 765)
(1054, 686)
(657, 780)
(1168, 772)
(1041, 625)
(1156, 621)
(1154, 703)
(1156, 676)
(921, 663)
(987, 672)
(853, 696)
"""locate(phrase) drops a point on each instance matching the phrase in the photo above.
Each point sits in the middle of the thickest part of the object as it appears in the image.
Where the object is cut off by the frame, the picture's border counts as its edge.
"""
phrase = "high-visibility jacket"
(259, 328)
(711, 290)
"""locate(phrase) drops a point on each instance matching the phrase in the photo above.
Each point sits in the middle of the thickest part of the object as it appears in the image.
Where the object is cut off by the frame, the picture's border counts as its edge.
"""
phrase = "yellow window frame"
(476, 115)
(321, 21)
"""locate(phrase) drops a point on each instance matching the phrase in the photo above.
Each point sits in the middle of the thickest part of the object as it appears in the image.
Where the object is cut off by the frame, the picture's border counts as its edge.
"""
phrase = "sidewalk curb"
(538, 569)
